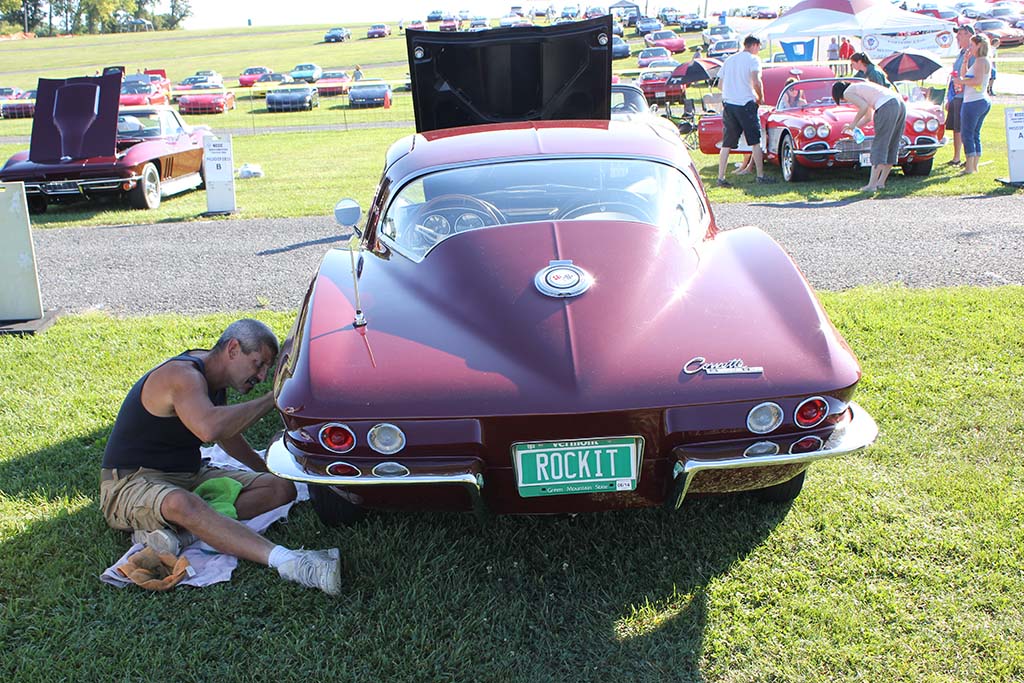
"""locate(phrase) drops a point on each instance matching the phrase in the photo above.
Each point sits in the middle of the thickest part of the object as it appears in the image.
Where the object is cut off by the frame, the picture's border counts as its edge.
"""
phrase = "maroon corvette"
(541, 316)
(83, 146)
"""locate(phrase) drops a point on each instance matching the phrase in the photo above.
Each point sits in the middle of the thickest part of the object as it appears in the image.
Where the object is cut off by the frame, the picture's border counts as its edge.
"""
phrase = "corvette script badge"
(736, 366)
(562, 279)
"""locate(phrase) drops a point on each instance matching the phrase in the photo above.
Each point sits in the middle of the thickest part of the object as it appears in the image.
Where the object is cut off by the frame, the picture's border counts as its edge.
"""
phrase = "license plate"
(865, 158)
(659, 94)
(558, 468)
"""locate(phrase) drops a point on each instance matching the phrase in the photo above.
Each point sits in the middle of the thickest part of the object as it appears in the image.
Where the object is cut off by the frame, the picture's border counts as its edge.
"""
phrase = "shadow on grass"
(609, 596)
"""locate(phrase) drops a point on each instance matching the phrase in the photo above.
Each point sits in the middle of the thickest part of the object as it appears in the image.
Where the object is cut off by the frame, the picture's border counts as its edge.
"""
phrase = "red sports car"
(136, 92)
(656, 88)
(252, 74)
(803, 131)
(206, 98)
(82, 146)
(333, 83)
(541, 315)
(449, 24)
(667, 39)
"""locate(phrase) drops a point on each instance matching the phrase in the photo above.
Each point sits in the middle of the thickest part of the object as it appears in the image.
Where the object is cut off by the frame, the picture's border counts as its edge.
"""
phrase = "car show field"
(479, 337)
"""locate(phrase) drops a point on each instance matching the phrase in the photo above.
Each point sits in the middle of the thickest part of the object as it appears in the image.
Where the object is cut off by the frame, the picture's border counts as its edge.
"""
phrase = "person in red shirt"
(845, 49)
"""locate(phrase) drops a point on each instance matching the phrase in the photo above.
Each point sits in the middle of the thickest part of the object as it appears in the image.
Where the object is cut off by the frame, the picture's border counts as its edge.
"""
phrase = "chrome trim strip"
(80, 185)
(282, 463)
(856, 434)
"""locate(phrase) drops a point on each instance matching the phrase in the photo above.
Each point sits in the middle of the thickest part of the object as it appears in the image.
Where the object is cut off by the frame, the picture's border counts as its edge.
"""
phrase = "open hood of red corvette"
(515, 74)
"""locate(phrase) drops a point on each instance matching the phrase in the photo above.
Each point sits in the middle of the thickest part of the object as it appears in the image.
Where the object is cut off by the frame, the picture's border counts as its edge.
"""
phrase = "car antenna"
(353, 247)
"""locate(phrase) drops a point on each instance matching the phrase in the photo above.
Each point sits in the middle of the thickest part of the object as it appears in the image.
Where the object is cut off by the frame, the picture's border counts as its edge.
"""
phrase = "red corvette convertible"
(206, 98)
(540, 314)
(82, 146)
(803, 131)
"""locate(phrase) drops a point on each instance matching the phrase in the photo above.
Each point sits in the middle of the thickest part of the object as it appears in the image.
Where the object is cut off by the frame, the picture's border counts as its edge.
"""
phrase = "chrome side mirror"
(347, 214)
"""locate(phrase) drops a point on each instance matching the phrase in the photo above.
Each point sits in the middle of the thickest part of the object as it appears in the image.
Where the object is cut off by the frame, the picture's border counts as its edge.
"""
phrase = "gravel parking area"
(245, 264)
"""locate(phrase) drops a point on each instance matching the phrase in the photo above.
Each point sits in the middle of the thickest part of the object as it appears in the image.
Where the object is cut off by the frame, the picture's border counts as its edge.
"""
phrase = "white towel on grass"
(210, 566)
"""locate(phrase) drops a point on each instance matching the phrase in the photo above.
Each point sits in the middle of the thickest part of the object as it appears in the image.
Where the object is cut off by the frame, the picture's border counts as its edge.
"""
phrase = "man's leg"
(265, 493)
(883, 173)
(723, 162)
(758, 156)
(190, 512)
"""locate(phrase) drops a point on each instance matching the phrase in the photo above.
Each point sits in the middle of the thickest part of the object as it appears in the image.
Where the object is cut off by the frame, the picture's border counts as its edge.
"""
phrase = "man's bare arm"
(239, 449)
(206, 420)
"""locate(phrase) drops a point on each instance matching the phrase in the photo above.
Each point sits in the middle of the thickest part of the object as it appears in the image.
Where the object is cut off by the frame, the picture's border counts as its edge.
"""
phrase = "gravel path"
(244, 264)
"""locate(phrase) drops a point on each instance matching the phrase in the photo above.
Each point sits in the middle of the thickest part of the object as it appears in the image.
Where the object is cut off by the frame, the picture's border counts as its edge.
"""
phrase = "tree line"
(91, 16)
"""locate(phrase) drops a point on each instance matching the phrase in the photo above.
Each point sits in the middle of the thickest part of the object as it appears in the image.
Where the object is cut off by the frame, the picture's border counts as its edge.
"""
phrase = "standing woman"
(976, 103)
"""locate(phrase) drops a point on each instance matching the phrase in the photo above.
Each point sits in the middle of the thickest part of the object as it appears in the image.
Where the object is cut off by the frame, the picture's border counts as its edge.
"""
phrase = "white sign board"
(1015, 143)
(219, 166)
(19, 286)
(879, 45)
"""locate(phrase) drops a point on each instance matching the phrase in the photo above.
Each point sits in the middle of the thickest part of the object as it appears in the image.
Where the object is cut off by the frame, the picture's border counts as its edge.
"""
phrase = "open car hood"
(75, 118)
(514, 74)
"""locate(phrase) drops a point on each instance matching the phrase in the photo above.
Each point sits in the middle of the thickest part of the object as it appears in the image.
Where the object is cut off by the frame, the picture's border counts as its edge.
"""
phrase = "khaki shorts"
(133, 501)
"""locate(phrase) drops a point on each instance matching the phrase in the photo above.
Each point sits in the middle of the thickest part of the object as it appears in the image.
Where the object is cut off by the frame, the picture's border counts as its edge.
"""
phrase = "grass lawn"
(901, 564)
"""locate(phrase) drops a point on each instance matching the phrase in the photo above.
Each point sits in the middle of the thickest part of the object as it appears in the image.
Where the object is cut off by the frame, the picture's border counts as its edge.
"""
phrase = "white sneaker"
(315, 569)
(164, 540)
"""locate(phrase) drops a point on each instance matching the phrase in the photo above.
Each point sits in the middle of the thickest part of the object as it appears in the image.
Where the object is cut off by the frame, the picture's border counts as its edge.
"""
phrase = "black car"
(337, 35)
(692, 22)
(293, 98)
(369, 94)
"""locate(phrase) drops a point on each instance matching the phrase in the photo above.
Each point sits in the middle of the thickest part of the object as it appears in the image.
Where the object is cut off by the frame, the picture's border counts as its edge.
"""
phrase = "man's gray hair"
(252, 335)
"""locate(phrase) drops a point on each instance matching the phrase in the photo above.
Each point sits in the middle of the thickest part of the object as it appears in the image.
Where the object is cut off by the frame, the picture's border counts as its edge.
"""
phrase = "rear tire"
(37, 204)
(918, 168)
(792, 171)
(332, 509)
(784, 492)
(146, 193)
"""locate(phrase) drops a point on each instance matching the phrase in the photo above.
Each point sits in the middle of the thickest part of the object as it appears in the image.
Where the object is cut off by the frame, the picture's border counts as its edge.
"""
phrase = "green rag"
(221, 493)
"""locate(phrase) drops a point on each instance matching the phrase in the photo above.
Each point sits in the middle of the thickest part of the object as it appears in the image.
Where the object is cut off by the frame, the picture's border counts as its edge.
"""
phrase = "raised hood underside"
(75, 118)
(531, 73)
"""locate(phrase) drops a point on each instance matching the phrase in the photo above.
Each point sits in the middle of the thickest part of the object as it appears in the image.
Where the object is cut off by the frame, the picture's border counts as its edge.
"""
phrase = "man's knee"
(283, 491)
(183, 507)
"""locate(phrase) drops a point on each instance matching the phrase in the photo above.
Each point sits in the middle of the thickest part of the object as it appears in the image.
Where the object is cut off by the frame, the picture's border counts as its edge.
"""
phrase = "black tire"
(784, 492)
(146, 193)
(37, 204)
(918, 168)
(792, 171)
(332, 509)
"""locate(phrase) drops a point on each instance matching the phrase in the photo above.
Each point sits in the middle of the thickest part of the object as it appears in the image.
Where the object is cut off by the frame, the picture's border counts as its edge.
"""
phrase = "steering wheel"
(622, 205)
(451, 213)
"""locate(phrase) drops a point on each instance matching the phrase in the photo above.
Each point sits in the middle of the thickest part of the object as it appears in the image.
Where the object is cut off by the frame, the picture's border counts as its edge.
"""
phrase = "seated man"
(152, 461)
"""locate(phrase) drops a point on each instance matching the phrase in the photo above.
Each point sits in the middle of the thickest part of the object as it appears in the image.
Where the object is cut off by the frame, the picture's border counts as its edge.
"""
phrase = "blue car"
(367, 93)
(295, 98)
(307, 72)
(646, 25)
(337, 35)
(620, 48)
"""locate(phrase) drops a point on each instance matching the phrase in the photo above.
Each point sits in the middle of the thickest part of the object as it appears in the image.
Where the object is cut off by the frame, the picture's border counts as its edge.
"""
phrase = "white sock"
(279, 555)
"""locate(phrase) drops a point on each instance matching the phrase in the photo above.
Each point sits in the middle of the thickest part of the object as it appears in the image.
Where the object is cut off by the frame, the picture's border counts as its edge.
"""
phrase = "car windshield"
(333, 74)
(663, 35)
(628, 100)
(255, 70)
(135, 89)
(139, 124)
(368, 89)
(806, 94)
(720, 30)
(435, 207)
(989, 25)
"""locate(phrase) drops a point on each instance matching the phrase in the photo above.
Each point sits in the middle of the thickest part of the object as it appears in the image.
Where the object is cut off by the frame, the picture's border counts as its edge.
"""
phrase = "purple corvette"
(540, 315)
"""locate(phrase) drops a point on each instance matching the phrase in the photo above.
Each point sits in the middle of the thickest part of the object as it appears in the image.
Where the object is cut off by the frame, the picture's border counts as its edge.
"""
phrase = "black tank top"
(141, 439)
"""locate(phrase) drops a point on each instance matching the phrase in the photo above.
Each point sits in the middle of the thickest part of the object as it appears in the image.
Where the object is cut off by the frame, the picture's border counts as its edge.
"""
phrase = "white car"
(712, 34)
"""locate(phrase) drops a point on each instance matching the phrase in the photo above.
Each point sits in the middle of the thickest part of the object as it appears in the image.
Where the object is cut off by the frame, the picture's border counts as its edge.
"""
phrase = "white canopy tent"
(813, 18)
(882, 27)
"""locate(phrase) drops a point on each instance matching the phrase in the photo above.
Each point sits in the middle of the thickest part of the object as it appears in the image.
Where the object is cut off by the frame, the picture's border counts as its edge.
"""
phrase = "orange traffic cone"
(387, 99)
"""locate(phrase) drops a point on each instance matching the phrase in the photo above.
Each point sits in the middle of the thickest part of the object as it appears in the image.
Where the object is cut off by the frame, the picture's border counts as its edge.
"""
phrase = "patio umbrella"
(909, 65)
(700, 69)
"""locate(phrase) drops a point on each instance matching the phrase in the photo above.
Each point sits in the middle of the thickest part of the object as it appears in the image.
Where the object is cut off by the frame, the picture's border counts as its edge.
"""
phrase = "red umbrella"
(700, 69)
(909, 65)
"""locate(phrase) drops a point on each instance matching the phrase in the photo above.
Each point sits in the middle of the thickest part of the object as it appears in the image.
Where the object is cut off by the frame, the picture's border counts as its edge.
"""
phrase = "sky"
(233, 13)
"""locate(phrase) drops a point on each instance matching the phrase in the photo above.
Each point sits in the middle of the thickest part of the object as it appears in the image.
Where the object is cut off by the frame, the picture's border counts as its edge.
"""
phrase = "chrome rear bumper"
(856, 433)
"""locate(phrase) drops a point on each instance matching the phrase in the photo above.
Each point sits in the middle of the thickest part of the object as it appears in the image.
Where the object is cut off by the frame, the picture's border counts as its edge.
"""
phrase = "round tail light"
(386, 438)
(337, 437)
(807, 444)
(761, 448)
(811, 412)
(764, 418)
(343, 469)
